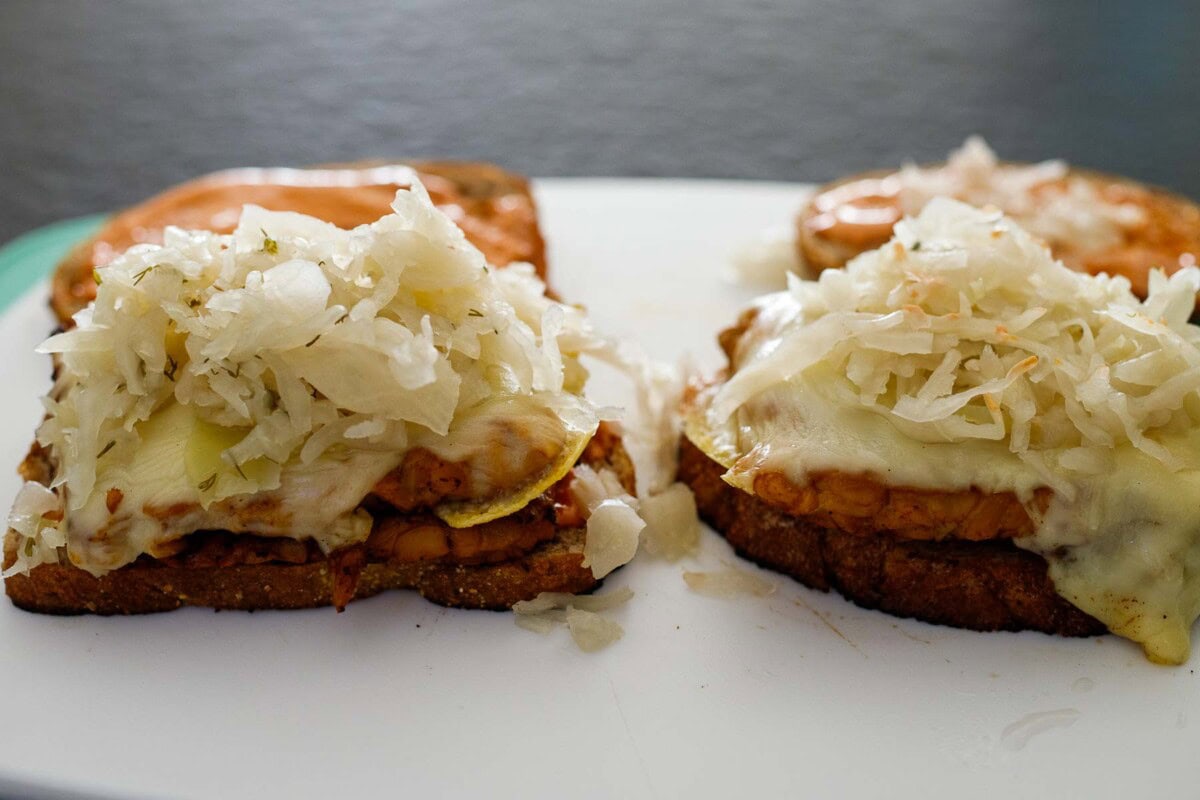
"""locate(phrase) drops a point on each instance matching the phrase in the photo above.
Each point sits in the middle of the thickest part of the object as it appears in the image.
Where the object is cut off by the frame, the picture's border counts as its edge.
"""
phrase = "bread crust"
(148, 586)
(980, 585)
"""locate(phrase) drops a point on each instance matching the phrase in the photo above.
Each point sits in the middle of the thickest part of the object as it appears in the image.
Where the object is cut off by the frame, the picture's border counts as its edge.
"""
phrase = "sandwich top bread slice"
(1092, 222)
(958, 428)
(494, 208)
(297, 414)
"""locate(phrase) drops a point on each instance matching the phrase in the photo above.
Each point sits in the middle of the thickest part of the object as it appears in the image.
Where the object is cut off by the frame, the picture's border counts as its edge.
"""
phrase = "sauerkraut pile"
(961, 356)
(964, 328)
(292, 354)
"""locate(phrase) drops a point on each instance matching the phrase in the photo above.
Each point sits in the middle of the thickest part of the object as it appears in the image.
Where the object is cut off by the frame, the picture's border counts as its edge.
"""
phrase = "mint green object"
(32, 256)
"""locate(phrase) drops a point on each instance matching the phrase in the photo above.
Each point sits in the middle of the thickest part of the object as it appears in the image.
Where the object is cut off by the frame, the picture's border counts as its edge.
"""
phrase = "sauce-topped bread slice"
(494, 208)
(1092, 222)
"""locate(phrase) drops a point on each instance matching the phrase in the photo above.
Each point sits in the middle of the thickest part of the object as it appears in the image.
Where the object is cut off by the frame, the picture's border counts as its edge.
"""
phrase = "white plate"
(795, 694)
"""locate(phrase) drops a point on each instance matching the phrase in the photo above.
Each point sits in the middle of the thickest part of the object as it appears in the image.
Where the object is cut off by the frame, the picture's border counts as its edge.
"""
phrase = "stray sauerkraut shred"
(727, 583)
(961, 354)
(298, 361)
(589, 629)
(672, 523)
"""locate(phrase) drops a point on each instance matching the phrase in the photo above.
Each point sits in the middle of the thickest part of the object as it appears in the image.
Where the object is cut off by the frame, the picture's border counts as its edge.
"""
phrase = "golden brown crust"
(978, 585)
(1171, 228)
(494, 207)
(147, 587)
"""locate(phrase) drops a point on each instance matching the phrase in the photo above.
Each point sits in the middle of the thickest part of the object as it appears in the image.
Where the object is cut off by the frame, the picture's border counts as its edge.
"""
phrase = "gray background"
(103, 103)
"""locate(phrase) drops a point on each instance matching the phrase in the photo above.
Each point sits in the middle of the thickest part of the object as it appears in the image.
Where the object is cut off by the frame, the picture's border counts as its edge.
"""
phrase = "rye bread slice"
(148, 586)
(984, 586)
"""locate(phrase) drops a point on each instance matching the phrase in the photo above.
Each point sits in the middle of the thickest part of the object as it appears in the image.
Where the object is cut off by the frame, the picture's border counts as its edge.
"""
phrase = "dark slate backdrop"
(103, 103)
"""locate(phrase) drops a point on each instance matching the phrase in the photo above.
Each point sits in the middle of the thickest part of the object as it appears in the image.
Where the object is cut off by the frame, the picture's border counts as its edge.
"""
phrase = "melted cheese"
(799, 429)
(177, 482)
(507, 441)
(161, 500)
(1127, 551)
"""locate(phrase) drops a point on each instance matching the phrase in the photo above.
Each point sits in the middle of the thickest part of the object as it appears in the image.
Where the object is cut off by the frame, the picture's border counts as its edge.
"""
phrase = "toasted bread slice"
(494, 207)
(855, 214)
(980, 585)
(148, 586)
(944, 557)
(494, 565)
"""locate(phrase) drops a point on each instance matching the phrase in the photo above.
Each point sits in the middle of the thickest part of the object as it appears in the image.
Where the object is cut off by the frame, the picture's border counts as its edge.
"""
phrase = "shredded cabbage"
(765, 260)
(964, 328)
(303, 340)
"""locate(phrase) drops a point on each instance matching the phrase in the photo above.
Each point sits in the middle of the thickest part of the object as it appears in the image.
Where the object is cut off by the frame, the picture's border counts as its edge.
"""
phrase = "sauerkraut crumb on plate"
(727, 583)
(582, 614)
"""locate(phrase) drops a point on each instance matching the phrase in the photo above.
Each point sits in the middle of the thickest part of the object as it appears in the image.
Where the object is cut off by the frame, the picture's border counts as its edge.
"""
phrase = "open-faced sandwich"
(956, 427)
(494, 208)
(297, 414)
(1092, 222)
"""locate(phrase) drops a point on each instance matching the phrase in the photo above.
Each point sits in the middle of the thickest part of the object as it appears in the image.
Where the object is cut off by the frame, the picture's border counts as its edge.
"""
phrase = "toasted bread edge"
(555, 566)
(984, 586)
